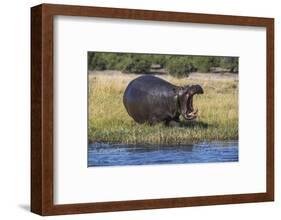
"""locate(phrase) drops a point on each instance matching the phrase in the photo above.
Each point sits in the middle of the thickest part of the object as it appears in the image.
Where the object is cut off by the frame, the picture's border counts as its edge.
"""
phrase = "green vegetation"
(175, 65)
(109, 121)
(179, 67)
(137, 64)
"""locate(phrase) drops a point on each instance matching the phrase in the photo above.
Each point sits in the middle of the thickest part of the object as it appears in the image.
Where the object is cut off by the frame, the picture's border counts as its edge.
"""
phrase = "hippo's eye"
(181, 91)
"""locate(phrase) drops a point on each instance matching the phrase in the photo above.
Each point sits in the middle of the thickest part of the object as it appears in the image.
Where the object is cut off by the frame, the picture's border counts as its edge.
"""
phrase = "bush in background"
(176, 65)
(179, 67)
(230, 63)
(97, 62)
(137, 64)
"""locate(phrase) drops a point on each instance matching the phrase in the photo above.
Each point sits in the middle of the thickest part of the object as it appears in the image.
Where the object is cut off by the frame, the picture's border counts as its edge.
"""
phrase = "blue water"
(101, 154)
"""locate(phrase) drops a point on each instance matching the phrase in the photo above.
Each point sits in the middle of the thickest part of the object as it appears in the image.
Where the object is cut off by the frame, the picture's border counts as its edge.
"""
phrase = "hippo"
(150, 99)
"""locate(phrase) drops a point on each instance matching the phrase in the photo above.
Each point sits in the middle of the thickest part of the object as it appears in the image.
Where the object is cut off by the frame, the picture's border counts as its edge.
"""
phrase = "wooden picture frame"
(42, 121)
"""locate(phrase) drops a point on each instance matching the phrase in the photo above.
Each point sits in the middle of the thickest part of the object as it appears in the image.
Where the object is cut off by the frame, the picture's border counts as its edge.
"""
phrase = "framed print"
(139, 109)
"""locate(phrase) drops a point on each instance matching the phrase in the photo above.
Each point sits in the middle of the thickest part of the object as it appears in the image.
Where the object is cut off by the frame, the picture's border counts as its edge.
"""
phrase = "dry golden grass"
(109, 121)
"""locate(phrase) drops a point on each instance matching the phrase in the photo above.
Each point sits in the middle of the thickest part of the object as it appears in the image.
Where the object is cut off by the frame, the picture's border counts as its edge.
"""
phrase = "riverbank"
(110, 123)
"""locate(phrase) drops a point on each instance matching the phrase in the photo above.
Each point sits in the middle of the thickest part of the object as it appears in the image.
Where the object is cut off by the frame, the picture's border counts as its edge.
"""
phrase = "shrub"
(97, 62)
(179, 67)
(137, 64)
(202, 64)
(230, 63)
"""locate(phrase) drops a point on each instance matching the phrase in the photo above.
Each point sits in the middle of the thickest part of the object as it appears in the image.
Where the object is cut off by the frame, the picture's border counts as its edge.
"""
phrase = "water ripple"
(102, 154)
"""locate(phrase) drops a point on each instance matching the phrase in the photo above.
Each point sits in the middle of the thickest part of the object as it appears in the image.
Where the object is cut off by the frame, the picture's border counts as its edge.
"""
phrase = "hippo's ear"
(183, 90)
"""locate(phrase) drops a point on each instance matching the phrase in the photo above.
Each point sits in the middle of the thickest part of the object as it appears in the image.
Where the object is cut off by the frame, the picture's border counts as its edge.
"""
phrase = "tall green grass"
(109, 121)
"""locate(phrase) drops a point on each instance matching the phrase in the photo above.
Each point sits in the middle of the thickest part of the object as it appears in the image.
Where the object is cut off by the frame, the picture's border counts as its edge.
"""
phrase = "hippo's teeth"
(193, 113)
(190, 117)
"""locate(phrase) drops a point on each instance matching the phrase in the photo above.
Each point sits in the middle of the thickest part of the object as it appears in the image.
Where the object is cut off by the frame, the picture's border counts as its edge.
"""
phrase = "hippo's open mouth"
(191, 112)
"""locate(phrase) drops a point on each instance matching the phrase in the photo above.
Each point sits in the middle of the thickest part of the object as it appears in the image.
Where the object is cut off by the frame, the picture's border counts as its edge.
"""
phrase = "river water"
(101, 154)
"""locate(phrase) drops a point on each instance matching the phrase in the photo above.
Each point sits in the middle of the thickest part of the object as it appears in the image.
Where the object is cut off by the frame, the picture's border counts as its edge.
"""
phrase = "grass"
(109, 122)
